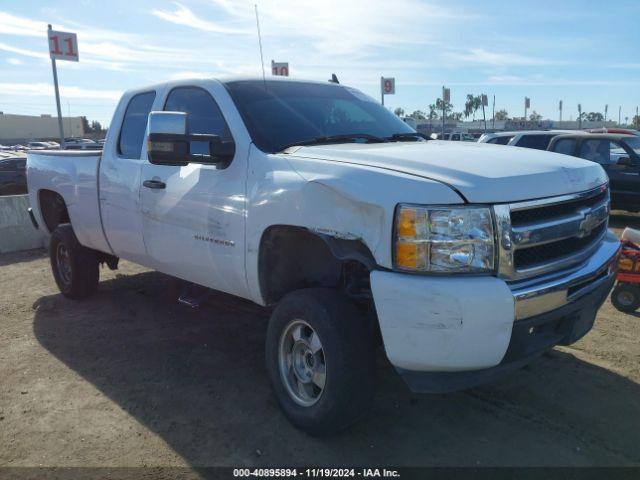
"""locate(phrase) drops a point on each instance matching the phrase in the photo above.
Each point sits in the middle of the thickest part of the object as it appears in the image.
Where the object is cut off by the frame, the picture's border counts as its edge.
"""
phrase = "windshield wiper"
(406, 136)
(351, 137)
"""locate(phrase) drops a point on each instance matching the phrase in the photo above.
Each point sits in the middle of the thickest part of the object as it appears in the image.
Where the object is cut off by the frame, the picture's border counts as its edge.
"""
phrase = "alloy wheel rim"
(302, 363)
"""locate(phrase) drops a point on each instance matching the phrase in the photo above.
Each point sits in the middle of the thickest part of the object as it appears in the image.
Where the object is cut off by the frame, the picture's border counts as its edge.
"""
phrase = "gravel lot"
(129, 378)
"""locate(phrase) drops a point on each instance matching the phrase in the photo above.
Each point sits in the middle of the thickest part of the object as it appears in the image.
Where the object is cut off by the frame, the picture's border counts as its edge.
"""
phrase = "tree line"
(473, 103)
(91, 127)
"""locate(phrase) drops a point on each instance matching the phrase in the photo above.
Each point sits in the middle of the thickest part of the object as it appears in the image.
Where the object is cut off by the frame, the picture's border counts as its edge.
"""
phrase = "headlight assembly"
(444, 239)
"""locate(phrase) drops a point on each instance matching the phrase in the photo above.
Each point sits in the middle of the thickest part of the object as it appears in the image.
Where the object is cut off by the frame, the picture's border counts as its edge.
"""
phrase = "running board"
(193, 295)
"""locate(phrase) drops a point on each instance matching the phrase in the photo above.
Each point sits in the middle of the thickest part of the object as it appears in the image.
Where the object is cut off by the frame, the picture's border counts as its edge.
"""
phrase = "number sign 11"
(63, 46)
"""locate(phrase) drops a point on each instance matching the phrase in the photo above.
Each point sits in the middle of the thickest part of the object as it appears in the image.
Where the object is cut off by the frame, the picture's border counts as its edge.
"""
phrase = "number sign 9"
(388, 85)
(63, 46)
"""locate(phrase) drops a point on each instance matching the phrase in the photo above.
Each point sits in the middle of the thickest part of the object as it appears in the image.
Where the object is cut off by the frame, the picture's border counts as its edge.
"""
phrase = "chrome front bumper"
(546, 293)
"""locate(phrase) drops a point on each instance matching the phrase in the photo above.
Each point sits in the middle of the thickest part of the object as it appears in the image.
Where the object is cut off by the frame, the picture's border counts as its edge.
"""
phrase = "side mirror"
(624, 161)
(168, 142)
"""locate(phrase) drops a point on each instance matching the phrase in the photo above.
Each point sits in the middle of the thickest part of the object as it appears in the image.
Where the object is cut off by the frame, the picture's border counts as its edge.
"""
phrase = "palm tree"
(468, 105)
(399, 112)
(472, 105)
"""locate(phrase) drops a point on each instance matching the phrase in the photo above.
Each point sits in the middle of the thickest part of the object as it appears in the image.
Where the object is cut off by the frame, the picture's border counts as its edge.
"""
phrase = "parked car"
(618, 154)
(80, 144)
(536, 139)
(13, 180)
(459, 137)
(38, 145)
(466, 260)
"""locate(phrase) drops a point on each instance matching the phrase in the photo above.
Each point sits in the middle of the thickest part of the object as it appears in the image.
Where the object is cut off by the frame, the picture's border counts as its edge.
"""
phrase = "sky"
(584, 51)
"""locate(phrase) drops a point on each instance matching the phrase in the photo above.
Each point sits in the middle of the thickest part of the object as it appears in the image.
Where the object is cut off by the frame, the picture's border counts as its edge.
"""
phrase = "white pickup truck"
(464, 260)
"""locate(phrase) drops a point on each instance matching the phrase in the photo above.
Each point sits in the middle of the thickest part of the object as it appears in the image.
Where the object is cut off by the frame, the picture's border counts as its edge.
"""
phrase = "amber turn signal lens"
(406, 255)
(407, 222)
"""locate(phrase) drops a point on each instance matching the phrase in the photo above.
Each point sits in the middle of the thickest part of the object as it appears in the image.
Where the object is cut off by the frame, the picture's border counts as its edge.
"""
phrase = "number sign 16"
(63, 45)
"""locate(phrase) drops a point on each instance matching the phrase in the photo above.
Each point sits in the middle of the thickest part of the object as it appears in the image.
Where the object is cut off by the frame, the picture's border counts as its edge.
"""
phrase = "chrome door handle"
(155, 184)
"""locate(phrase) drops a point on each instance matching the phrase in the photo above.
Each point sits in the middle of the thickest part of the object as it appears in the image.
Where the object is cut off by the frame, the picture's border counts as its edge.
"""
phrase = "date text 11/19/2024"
(316, 472)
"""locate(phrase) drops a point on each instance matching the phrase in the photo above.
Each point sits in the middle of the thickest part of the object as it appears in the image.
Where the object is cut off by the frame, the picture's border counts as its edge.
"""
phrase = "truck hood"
(481, 173)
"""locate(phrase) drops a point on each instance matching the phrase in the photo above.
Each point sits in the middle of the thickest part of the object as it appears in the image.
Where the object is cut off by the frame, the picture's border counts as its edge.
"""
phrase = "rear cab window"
(134, 125)
(565, 145)
(596, 150)
(502, 140)
(537, 142)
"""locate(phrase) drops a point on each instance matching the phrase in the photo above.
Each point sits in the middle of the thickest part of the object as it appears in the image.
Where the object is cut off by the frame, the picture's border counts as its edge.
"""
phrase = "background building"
(25, 128)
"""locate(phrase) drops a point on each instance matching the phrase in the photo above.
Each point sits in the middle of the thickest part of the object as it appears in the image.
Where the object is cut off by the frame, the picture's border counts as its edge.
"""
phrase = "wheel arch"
(293, 257)
(53, 209)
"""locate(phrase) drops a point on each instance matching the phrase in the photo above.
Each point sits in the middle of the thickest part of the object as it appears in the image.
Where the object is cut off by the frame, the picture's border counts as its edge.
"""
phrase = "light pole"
(446, 97)
(560, 108)
(620, 115)
(579, 116)
(55, 86)
(493, 118)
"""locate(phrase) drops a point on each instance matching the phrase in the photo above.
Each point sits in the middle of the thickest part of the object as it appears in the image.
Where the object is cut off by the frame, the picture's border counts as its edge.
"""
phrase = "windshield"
(279, 113)
(634, 143)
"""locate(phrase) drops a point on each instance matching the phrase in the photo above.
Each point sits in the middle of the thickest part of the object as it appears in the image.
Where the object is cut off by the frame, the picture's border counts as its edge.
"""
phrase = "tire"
(347, 352)
(626, 297)
(75, 268)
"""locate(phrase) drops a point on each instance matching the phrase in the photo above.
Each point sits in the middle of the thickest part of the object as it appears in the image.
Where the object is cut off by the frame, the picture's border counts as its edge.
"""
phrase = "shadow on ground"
(22, 257)
(196, 379)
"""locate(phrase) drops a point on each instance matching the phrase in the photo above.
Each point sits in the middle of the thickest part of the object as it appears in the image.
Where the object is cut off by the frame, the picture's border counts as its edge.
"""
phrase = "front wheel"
(320, 359)
(626, 297)
(75, 268)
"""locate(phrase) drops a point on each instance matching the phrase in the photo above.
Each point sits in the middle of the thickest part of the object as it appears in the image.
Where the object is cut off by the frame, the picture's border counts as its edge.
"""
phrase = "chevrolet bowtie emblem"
(589, 222)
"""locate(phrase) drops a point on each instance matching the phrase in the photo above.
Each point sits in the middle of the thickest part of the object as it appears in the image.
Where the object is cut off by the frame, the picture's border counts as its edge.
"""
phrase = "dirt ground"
(128, 378)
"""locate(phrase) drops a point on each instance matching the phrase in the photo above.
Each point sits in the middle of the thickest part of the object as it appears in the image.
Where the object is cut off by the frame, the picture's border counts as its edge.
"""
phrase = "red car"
(626, 131)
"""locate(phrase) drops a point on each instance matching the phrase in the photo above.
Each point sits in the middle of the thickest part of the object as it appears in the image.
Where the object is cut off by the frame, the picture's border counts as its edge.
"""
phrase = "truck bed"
(73, 175)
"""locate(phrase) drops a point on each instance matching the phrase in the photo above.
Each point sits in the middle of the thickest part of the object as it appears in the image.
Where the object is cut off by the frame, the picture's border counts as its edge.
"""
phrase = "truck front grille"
(533, 215)
(547, 235)
(548, 252)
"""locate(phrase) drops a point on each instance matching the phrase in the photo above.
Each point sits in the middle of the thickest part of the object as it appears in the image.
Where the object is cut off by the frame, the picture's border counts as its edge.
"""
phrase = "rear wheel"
(75, 268)
(626, 297)
(320, 360)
